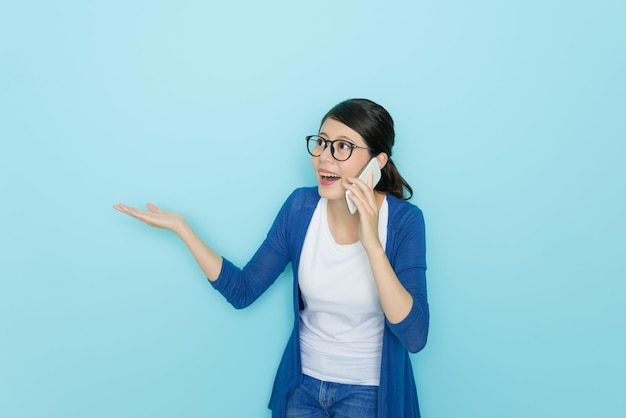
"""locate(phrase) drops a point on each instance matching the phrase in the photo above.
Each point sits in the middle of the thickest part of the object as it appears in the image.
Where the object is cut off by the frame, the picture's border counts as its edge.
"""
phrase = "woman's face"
(331, 173)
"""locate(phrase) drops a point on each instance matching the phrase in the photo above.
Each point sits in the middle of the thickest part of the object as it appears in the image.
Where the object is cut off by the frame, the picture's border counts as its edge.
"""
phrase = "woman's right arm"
(209, 261)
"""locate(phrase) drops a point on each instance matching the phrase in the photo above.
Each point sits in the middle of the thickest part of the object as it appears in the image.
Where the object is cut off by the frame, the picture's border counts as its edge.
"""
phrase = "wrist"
(374, 249)
(181, 228)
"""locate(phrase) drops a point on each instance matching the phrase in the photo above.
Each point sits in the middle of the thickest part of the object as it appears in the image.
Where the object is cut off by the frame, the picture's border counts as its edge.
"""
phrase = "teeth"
(329, 175)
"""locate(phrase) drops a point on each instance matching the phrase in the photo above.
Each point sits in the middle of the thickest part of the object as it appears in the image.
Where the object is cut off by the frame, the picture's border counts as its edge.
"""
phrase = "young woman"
(359, 290)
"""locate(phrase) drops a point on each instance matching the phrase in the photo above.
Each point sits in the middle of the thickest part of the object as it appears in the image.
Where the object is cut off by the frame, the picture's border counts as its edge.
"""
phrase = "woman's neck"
(343, 225)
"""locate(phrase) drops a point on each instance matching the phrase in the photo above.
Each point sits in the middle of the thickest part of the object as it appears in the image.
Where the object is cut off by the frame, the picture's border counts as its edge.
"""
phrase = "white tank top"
(341, 326)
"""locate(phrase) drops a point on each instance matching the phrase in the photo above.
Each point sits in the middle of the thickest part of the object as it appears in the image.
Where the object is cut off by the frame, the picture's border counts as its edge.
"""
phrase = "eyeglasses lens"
(340, 150)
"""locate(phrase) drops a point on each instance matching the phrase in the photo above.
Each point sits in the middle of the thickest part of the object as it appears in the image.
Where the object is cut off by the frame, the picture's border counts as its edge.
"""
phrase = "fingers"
(136, 213)
(142, 215)
(124, 209)
(362, 194)
(360, 187)
(153, 216)
(121, 207)
(364, 185)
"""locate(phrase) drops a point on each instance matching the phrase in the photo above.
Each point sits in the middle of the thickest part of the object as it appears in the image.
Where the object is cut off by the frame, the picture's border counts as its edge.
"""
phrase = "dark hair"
(374, 124)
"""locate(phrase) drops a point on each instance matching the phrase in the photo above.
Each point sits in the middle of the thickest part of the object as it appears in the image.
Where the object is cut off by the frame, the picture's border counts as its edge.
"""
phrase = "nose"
(326, 155)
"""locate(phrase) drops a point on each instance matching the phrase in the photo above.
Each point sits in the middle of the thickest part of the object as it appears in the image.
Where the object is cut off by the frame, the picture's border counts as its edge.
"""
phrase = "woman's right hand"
(154, 216)
(209, 261)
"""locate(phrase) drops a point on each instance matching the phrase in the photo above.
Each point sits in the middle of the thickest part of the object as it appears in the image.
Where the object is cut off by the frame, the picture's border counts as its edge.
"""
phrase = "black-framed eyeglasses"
(340, 149)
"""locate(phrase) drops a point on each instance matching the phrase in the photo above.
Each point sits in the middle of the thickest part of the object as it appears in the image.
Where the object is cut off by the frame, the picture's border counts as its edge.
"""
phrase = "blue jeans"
(317, 399)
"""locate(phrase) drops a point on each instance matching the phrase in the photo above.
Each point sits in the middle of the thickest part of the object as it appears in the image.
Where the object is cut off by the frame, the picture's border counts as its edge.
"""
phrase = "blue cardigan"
(405, 249)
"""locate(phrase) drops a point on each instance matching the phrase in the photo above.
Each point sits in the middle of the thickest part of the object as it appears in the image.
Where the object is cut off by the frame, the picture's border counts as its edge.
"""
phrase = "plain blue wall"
(510, 126)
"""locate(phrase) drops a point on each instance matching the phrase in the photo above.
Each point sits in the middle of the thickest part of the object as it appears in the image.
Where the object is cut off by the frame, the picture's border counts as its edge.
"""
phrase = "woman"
(359, 292)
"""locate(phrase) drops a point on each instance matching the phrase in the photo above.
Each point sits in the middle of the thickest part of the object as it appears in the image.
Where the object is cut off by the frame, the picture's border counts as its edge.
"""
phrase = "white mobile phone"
(370, 167)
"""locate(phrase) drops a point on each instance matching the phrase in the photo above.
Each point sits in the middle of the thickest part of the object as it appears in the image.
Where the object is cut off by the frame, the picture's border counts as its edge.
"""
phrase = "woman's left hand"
(364, 197)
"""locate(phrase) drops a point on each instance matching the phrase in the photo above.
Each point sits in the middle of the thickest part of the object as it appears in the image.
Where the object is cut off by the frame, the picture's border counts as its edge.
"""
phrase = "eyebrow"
(342, 137)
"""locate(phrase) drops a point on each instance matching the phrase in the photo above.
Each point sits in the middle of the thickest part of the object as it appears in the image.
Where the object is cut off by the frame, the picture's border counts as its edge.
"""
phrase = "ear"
(382, 159)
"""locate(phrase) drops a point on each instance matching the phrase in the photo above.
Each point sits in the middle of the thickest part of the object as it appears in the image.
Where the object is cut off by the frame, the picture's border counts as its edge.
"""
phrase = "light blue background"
(511, 128)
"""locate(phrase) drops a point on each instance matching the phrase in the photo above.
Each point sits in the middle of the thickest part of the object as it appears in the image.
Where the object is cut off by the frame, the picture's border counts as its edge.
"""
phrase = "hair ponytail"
(393, 183)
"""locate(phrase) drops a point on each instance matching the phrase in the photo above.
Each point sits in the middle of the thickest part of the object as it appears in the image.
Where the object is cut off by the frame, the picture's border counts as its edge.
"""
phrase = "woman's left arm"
(402, 287)
(403, 298)
(394, 298)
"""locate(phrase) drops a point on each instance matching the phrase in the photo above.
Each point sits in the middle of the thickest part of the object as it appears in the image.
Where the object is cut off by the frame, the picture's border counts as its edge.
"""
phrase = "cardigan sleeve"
(408, 259)
(241, 287)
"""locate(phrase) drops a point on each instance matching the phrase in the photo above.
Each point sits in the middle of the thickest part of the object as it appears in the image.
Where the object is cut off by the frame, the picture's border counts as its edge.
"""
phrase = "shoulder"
(403, 213)
(295, 214)
(303, 198)
(299, 205)
(406, 234)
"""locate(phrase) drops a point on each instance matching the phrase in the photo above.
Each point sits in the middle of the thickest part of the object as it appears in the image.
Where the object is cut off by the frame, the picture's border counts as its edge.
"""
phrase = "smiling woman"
(359, 289)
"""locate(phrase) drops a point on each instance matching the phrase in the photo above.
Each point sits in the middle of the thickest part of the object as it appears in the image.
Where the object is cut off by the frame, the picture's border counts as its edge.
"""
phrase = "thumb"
(153, 208)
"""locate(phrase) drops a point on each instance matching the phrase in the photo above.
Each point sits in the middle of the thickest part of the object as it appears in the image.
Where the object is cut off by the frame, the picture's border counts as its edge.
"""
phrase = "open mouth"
(327, 178)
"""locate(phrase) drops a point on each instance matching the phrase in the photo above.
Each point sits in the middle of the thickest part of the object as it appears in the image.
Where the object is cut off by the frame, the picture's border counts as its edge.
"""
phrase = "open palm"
(154, 216)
